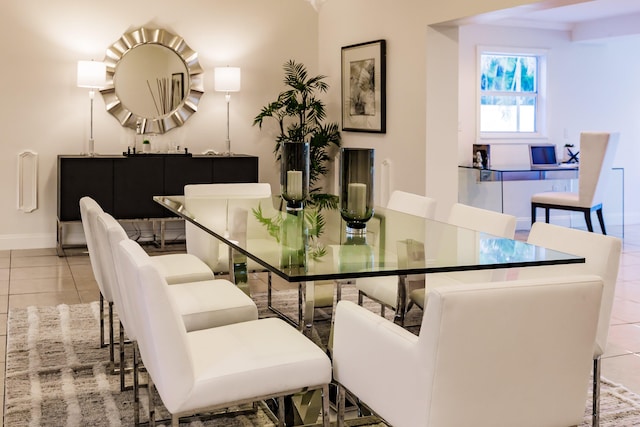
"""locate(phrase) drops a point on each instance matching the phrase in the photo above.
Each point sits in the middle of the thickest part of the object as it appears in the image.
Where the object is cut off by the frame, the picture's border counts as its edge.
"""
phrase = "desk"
(403, 245)
(508, 189)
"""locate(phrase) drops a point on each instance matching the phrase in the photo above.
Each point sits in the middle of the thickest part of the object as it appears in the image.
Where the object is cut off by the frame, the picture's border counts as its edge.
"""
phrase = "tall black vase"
(294, 174)
(356, 188)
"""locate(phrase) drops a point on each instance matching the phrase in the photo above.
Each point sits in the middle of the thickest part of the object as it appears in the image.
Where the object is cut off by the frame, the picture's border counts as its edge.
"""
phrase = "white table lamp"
(91, 74)
(227, 79)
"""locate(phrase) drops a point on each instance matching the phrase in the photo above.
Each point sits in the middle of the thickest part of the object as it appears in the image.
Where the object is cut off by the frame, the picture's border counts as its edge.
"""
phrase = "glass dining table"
(305, 246)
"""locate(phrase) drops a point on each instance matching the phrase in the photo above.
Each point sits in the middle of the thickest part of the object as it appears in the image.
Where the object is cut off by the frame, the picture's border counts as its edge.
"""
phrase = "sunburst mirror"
(154, 80)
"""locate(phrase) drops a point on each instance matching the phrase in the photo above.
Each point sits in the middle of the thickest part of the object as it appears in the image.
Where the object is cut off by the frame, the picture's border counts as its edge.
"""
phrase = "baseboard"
(27, 241)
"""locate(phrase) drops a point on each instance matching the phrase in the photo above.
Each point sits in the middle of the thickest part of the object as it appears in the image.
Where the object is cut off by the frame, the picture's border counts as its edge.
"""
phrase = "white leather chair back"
(597, 150)
(514, 353)
(198, 202)
(89, 210)
(162, 338)
(602, 255)
(412, 204)
(110, 233)
(490, 222)
(497, 351)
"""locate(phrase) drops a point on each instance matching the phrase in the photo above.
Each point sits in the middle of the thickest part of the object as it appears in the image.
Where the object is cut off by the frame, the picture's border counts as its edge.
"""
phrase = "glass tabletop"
(305, 246)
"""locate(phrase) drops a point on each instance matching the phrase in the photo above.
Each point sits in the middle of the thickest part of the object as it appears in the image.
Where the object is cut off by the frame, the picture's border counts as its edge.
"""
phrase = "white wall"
(422, 51)
(422, 87)
(346, 23)
(591, 87)
(44, 111)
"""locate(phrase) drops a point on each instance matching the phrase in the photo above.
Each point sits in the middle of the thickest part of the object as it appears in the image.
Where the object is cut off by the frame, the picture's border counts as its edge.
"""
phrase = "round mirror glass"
(150, 80)
(154, 80)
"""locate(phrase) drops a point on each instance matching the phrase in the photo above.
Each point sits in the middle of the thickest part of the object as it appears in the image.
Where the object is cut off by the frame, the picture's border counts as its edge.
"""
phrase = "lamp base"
(91, 148)
(228, 151)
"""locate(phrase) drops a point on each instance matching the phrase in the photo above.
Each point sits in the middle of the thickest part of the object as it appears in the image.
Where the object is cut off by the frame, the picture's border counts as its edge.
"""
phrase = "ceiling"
(586, 20)
(582, 12)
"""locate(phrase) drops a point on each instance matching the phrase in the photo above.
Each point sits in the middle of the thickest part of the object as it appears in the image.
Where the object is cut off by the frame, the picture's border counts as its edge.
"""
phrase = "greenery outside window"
(511, 92)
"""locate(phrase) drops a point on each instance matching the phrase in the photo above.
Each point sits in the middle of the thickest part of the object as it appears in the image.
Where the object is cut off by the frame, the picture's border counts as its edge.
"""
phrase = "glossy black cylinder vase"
(356, 188)
(294, 174)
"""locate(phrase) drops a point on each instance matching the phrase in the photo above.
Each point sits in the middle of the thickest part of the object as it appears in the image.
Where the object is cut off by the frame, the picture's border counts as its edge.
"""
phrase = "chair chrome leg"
(325, 405)
(136, 388)
(152, 408)
(122, 358)
(111, 334)
(281, 411)
(595, 414)
(341, 402)
(102, 343)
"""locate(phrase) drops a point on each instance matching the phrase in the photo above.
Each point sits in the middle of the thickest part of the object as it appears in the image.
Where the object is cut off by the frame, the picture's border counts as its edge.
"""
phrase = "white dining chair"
(198, 201)
(473, 218)
(488, 354)
(87, 203)
(597, 150)
(602, 258)
(175, 267)
(218, 367)
(202, 304)
(386, 290)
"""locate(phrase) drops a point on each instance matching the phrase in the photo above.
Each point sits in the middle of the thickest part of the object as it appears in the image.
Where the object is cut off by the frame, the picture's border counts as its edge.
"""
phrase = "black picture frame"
(364, 99)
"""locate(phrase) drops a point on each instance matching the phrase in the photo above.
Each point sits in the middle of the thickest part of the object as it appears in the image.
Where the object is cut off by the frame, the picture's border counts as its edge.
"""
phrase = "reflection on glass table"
(300, 250)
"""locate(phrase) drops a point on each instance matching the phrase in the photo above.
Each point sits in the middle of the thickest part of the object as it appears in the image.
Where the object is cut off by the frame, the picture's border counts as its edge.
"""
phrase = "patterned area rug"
(56, 375)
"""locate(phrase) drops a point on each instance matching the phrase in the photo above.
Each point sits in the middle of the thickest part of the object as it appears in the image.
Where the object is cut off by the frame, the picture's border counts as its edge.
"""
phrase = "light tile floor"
(40, 277)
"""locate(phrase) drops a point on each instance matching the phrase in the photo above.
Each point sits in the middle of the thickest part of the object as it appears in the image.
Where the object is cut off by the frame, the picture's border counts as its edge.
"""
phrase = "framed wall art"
(364, 101)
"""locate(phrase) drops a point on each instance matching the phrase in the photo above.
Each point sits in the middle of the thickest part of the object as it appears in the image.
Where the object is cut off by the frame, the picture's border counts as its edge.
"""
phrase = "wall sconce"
(227, 79)
(92, 75)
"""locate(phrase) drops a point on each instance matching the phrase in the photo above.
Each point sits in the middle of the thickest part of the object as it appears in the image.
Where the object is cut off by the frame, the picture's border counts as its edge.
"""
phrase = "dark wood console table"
(125, 185)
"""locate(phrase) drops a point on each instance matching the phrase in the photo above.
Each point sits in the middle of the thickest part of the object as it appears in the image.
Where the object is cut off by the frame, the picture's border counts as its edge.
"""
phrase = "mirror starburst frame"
(178, 116)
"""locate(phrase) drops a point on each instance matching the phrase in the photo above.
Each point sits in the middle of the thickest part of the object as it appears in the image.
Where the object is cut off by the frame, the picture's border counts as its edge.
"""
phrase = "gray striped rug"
(56, 375)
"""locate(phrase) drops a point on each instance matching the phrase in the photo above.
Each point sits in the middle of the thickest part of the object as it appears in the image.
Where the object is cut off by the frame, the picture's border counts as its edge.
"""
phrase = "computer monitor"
(542, 155)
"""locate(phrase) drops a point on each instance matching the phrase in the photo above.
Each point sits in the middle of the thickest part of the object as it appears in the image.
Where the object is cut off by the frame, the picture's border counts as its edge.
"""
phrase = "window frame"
(541, 104)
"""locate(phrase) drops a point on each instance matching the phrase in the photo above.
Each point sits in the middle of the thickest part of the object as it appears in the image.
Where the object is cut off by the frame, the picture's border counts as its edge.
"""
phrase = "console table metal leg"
(59, 238)
(163, 228)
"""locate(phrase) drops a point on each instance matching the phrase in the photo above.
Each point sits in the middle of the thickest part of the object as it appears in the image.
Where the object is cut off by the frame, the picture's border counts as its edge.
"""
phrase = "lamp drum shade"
(227, 79)
(91, 74)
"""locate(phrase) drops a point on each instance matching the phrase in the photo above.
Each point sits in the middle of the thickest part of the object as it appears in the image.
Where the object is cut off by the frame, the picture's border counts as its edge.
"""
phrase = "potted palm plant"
(300, 115)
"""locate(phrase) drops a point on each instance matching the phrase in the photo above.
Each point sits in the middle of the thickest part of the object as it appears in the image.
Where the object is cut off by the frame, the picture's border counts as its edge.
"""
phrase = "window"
(511, 92)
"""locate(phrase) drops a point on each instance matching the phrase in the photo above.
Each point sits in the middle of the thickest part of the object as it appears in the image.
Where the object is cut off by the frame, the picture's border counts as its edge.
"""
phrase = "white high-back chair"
(218, 367)
(602, 258)
(198, 199)
(483, 220)
(487, 355)
(390, 291)
(487, 221)
(87, 204)
(176, 268)
(597, 150)
(202, 304)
